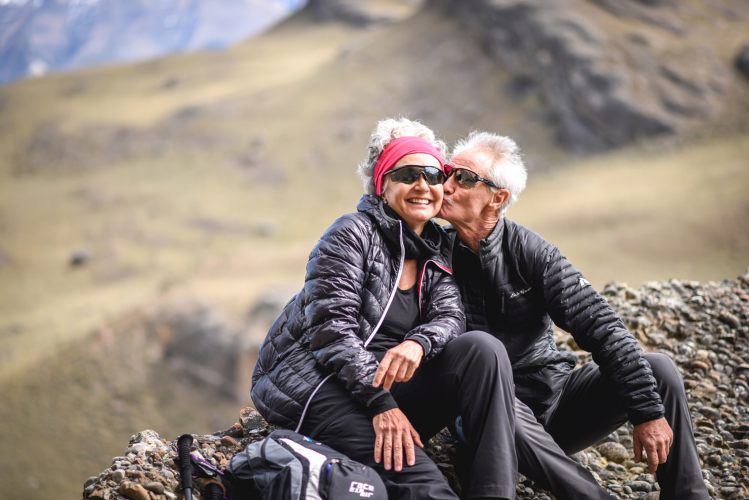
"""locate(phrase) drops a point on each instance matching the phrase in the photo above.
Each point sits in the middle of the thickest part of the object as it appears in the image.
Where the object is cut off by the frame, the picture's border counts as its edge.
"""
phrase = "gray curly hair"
(386, 131)
(507, 171)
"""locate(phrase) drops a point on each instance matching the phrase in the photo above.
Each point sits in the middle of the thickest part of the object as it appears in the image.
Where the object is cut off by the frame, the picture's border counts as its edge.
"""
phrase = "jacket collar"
(390, 227)
(491, 246)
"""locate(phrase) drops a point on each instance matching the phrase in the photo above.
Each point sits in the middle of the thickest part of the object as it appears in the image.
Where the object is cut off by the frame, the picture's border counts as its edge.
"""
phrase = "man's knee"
(665, 370)
(483, 349)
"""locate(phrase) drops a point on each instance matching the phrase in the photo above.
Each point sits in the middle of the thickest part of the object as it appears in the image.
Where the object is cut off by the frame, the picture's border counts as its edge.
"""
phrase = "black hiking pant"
(586, 412)
(471, 377)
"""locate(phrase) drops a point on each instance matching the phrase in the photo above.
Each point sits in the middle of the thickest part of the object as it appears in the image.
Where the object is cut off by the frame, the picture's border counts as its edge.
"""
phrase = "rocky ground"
(704, 328)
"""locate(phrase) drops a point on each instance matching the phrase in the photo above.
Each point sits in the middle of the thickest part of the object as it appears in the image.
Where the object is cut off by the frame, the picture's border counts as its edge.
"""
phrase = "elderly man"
(513, 285)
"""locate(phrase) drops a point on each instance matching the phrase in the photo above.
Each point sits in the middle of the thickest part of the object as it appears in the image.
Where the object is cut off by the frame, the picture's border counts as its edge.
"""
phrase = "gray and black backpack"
(288, 466)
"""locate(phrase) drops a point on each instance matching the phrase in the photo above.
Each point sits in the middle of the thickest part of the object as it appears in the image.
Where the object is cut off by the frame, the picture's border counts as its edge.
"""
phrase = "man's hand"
(394, 434)
(399, 364)
(656, 437)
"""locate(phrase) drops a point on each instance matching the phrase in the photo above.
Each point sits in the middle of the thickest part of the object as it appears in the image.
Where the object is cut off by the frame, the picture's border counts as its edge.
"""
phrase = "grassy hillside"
(210, 176)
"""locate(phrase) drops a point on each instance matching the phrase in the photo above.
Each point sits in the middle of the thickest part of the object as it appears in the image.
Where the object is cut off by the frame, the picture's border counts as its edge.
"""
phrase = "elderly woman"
(360, 358)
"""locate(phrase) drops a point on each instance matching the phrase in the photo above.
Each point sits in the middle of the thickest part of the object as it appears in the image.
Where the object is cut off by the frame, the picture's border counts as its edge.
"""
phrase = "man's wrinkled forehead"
(473, 159)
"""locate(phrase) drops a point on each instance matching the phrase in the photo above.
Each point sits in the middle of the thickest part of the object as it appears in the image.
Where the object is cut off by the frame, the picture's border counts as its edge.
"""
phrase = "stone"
(97, 494)
(640, 486)
(649, 478)
(156, 487)
(581, 458)
(653, 495)
(613, 452)
(118, 475)
(134, 491)
(229, 441)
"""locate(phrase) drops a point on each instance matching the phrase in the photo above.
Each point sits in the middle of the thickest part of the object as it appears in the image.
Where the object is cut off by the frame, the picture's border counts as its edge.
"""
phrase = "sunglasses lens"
(465, 178)
(433, 176)
(409, 175)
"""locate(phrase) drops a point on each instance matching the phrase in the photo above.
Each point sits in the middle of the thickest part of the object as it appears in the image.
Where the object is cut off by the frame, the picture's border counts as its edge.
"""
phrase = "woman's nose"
(421, 183)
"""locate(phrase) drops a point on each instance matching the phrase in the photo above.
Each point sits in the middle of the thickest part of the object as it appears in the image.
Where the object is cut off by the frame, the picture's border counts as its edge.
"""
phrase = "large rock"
(607, 87)
(742, 60)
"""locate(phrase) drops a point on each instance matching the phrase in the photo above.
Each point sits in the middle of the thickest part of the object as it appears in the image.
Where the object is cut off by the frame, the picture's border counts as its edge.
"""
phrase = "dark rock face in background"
(704, 328)
(37, 36)
(607, 87)
(742, 60)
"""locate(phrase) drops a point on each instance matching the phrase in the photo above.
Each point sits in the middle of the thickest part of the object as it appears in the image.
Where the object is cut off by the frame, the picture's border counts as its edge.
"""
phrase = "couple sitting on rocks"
(371, 357)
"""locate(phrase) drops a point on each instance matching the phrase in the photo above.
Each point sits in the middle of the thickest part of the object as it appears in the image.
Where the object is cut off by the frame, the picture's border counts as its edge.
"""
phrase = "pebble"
(134, 491)
(229, 441)
(613, 452)
(156, 487)
(118, 475)
(640, 486)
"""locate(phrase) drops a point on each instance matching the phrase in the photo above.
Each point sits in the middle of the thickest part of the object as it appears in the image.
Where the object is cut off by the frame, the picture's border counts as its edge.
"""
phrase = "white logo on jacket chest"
(521, 292)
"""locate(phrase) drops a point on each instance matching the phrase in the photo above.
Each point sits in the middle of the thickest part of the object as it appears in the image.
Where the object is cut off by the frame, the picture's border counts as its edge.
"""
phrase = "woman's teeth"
(418, 202)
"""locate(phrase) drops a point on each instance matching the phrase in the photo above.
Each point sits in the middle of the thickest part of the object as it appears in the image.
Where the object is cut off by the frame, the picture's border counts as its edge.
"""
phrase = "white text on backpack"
(362, 489)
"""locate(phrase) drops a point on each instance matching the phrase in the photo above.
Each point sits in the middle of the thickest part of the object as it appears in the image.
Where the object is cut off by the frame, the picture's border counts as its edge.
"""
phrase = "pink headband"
(397, 149)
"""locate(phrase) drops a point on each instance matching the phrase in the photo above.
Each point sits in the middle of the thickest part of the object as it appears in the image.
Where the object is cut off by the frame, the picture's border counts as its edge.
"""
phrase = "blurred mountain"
(37, 36)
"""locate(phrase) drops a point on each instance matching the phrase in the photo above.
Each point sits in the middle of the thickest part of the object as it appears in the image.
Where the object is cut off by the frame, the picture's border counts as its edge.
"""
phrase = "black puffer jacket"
(352, 274)
(516, 287)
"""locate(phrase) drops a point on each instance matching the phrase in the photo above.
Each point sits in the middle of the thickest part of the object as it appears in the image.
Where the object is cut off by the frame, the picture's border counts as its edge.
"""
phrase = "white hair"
(386, 131)
(507, 170)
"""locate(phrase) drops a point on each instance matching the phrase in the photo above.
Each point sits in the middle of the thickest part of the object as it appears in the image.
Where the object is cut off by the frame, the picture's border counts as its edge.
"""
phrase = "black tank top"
(402, 317)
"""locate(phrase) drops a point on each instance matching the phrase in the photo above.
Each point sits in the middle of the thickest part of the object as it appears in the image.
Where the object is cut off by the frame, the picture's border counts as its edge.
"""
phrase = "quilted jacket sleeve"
(576, 307)
(335, 275)
(443, 315)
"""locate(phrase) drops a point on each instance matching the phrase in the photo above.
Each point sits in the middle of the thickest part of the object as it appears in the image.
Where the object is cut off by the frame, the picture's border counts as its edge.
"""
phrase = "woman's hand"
(399, 364)
(394, 434)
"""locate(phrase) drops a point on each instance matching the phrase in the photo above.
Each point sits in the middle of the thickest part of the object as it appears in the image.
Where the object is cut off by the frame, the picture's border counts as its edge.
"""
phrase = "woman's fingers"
(408, 445)
(392, 371)
(415, 436)
(402, 371)
(382, 370)
(378, 446)
(388, 449)
(398, 449)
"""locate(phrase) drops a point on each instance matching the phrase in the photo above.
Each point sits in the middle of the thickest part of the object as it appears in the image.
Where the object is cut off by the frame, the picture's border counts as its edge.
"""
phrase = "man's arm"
(576, 307)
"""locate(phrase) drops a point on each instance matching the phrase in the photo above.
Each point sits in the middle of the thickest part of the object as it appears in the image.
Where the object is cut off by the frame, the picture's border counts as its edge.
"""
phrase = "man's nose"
(449, 185)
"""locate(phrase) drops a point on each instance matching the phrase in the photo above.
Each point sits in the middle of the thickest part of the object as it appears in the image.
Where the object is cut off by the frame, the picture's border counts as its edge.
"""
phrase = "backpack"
(288, 466)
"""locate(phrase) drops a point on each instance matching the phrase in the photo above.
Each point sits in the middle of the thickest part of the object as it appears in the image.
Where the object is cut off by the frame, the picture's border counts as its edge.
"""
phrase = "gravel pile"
(703, 328)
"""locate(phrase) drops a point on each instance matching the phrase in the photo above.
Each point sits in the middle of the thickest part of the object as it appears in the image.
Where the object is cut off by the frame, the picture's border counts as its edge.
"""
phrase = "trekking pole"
(184, 443)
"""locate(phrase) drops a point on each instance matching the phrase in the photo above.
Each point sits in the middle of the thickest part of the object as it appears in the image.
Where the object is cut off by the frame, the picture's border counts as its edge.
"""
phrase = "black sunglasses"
(466, 177)
(408, 174)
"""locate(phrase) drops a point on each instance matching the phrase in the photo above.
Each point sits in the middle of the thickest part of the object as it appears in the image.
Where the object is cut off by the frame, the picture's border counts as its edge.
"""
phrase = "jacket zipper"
(395, 288)
(423, 275)
(374, 332)
(503, 302)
